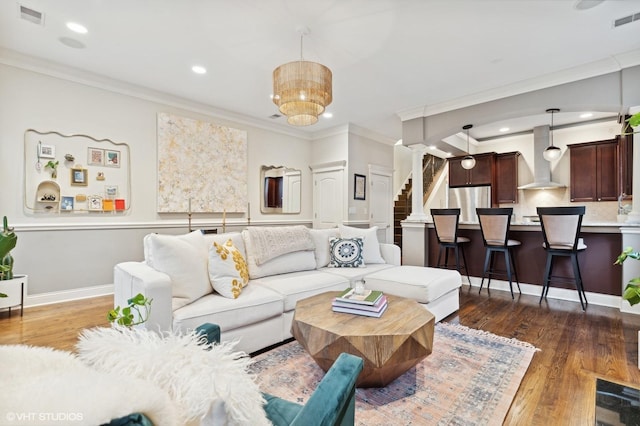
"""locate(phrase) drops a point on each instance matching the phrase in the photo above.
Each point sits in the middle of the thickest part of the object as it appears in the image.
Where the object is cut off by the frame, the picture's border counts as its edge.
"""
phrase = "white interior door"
(381, 202)
(328, 198)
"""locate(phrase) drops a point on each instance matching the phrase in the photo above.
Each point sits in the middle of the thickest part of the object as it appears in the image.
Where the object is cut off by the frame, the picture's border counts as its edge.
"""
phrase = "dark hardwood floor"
(576, 347)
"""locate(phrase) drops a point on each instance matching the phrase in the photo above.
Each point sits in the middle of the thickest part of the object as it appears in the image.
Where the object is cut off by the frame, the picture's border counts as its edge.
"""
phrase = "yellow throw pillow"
(228, 270)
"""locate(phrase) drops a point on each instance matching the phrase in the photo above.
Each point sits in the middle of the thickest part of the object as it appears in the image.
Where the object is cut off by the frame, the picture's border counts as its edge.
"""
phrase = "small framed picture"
(66, 204)
(46, 151)
(359, 187)
(95, 157)
(79, 177)
(94, 202)
(111, 158)
(110, 191)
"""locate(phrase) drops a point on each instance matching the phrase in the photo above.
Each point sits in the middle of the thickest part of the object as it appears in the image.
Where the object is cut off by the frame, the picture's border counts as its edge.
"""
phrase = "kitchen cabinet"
(481, 174)
(506, 185)
(594, 171)
(625, 151)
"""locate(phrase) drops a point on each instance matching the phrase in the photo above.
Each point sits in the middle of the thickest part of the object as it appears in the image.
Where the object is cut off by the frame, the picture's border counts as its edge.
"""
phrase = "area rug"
(470, 378)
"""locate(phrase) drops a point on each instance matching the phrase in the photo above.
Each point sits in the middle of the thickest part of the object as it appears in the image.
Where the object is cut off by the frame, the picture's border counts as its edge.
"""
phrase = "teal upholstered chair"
(332, 403)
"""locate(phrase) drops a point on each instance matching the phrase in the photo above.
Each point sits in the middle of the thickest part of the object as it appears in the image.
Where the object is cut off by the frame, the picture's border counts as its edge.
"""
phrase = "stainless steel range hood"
(541, 167)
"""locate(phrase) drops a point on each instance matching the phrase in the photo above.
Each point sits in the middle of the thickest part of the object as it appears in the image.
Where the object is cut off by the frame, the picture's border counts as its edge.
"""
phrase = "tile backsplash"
(602, 211)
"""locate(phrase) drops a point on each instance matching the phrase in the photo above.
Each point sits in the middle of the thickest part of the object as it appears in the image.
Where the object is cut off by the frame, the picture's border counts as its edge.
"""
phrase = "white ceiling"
(387, 56)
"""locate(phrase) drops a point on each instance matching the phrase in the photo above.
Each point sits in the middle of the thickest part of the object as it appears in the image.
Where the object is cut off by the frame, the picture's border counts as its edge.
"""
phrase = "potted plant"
(136, 312)
(632, 290)
(8, 240)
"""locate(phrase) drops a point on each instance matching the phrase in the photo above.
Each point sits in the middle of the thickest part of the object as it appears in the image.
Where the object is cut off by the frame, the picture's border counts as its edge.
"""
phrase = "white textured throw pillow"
(346, 253)
(184, 258)
(228, 271)
(321, 241)
(370, 238)
(197, 376)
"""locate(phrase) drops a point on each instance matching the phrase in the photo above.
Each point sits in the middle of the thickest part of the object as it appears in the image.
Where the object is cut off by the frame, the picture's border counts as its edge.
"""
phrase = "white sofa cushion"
(300, 285)
(422, 284)
(257, 303)
(290, 262)
(370, 239)
(321, 242)
(184, 259)
(228, 271)
(355, 274)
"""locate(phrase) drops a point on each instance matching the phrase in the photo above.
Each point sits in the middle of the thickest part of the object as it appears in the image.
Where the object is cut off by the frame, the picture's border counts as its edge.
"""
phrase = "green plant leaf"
(631, 294)
(634, 120)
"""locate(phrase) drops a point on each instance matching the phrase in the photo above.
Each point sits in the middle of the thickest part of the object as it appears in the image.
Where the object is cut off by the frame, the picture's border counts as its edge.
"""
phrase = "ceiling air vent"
(626, 20)
(31, 15)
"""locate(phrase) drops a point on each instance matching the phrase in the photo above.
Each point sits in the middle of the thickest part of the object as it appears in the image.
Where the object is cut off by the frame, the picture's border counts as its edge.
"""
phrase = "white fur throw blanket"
(43, 386)
(201, 379)
(270, 242)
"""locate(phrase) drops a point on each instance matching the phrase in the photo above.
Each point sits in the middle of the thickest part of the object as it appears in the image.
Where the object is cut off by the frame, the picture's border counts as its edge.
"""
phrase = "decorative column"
(634, 215)
(414, 229)
(417, 189)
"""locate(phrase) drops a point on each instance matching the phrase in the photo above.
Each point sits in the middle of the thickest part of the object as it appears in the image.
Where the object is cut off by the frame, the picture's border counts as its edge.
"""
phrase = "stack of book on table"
(371, 303)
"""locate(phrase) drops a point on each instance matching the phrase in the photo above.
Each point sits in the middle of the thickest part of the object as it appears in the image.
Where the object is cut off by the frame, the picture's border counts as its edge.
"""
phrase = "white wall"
(402, 165)
(64, 253)
(364, 151)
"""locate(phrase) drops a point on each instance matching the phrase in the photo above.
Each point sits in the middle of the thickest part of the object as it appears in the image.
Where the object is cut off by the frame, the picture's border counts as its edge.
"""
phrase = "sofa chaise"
(195, 278)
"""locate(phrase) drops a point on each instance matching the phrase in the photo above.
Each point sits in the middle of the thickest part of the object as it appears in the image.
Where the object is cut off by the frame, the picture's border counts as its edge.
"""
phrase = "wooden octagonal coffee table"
(389, 345)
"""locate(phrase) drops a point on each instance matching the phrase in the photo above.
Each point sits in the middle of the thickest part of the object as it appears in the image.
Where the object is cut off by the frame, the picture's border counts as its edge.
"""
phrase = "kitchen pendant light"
(552, 152)
(468, 162)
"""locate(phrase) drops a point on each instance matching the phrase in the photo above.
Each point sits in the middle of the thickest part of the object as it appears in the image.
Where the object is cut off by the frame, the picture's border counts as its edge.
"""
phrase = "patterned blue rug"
(470, 379)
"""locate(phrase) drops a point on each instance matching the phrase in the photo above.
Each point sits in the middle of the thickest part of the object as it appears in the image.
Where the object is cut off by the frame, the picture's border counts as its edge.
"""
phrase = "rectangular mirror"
(281, 189)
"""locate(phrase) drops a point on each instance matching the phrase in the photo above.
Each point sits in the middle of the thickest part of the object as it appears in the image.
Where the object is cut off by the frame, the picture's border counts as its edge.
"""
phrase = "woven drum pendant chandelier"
(302, 89)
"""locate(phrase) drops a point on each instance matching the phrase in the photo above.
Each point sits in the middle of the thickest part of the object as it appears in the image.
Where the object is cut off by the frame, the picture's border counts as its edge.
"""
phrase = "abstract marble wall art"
(202, 167)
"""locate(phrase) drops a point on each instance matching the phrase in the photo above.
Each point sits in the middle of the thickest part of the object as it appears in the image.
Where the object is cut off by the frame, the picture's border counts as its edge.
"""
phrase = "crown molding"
(53, 69)
(608, 65)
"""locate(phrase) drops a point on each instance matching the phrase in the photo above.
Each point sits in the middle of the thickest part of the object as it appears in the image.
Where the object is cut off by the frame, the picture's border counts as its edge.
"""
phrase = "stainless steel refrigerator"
(468, 199)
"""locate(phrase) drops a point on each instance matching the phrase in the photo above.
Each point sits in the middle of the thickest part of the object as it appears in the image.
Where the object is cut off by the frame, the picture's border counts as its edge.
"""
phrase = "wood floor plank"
(576, 347)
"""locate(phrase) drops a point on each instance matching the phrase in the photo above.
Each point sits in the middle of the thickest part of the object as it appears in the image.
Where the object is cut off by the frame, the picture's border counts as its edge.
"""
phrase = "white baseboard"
(67, 295)
(554, 292)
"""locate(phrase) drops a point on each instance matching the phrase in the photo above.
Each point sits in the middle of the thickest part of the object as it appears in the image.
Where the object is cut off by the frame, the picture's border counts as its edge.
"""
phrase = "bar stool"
(445, 222)
(561, 231)
(494, 226)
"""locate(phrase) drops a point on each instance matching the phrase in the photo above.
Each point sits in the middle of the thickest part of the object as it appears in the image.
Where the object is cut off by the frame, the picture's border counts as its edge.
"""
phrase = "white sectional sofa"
(179, 272)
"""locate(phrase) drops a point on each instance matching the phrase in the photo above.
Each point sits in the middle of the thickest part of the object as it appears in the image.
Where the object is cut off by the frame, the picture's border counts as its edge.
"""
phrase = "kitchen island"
(604, 242)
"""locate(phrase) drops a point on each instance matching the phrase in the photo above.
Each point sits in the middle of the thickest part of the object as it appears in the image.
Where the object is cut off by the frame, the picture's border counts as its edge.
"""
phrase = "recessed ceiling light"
(72, 42)
(432, 147)
(586, 115)
(504, 129)
(587, 4)
(77, 28)
(327, 115)
(199, 69)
